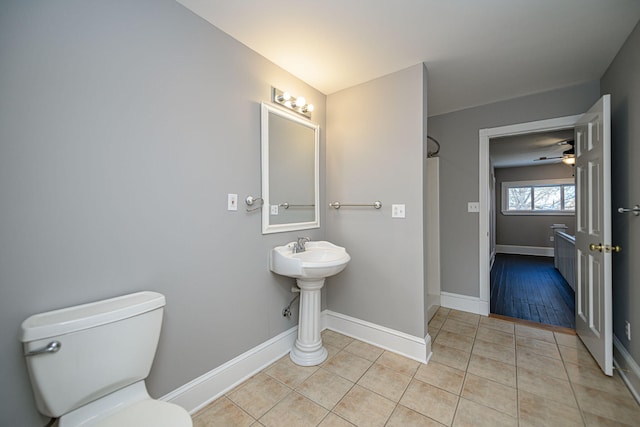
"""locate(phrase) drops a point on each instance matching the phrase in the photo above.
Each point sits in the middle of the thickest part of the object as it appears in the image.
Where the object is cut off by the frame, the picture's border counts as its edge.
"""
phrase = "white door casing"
(593, 233)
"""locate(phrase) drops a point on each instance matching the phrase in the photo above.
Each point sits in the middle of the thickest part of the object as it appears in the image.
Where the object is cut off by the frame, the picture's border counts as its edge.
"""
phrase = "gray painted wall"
(529, 230)
(622, 81)
(458, 134)
(123, 126)
(375, 143)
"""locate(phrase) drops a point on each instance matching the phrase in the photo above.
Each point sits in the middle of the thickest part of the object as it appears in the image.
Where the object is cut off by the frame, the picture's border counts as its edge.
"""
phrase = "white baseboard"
(464, 303)
(205, 389)
(627, 368)
(416, 348)
(524, 250)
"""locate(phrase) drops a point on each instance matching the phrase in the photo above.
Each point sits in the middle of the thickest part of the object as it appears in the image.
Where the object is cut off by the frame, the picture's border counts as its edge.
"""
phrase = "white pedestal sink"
(318, 261)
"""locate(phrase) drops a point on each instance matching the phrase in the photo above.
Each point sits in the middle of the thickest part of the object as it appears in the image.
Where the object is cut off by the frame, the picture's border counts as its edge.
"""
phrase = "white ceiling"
(476, 52)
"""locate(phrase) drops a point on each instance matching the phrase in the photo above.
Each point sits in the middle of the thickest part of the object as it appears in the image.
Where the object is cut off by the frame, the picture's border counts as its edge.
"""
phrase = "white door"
(593, 232)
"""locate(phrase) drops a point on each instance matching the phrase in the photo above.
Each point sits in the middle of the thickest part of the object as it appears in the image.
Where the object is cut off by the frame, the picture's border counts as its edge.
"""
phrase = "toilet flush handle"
(52, 347)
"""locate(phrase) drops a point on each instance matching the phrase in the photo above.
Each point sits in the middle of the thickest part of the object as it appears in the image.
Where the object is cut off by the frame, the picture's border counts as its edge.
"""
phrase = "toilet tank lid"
(85, 316)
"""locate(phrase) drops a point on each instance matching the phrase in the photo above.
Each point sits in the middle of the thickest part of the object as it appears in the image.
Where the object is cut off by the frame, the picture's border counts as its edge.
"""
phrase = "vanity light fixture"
(297, 104)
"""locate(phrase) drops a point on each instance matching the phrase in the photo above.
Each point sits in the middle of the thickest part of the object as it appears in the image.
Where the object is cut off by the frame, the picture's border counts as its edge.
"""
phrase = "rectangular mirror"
(290, 171)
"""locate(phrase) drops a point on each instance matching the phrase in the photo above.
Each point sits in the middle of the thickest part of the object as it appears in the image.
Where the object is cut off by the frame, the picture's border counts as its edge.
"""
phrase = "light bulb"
(284, 97)
(308, 108)
(300, 101)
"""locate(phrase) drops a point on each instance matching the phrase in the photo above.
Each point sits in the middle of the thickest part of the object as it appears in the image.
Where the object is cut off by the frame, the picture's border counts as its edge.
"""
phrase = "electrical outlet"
(473, 207)
(232, 202)
(274, 209)
(397, 211)
(551, 238)
(627, 329)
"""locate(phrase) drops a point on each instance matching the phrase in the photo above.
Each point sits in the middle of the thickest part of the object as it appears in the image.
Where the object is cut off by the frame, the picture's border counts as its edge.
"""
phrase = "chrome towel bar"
(291, 205)
(337, 205)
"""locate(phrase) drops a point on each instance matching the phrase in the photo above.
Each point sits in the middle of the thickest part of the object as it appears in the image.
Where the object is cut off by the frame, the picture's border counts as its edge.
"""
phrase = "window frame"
(560, 182)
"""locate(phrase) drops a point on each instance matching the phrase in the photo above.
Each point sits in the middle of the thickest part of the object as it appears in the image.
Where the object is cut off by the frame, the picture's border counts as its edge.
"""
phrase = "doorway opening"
(533, 204)
(488, 191)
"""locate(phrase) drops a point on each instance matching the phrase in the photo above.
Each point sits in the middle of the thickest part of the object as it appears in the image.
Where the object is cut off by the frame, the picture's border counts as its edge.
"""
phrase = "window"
(542, 197)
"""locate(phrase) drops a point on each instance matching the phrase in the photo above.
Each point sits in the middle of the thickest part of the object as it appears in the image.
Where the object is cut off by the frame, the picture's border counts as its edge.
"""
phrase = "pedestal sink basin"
(319, 260)
(310, 267)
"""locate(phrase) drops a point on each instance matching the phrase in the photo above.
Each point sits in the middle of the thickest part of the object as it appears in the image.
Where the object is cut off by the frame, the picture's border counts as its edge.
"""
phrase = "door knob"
(599, 247)
(595, 247)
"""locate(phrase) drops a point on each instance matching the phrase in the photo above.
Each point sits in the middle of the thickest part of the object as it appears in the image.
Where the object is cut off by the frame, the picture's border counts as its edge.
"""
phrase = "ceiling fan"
(568, 156)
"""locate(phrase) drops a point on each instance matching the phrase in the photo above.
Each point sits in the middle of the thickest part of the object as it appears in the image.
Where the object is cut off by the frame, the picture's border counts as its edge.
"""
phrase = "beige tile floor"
(484, 372)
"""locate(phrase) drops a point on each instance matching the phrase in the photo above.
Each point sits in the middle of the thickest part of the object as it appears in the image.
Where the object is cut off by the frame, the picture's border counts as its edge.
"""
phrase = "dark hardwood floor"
(530, 288)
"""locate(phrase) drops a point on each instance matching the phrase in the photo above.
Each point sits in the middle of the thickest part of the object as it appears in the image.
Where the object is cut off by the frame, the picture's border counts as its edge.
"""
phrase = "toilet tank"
(104, 346)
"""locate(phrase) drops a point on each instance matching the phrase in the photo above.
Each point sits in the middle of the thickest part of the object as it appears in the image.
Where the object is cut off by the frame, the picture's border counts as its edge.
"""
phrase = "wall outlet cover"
(274, 209)
(473, 207)
(397, 211)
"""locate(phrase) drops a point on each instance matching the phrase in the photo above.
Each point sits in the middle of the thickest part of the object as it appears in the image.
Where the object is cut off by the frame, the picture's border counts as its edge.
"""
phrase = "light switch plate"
(397, 211)
(473, 207)
(232, 202)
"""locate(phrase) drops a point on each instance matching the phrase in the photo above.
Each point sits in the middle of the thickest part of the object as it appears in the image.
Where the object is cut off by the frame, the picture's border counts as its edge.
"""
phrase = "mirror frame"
(267, 227)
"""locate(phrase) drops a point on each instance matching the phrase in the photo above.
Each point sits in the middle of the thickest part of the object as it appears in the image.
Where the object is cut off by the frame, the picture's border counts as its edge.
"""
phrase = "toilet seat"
(148, 413)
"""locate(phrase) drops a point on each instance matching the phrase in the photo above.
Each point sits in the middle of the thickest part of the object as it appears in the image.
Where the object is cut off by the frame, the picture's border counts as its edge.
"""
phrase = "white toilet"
(88, 363)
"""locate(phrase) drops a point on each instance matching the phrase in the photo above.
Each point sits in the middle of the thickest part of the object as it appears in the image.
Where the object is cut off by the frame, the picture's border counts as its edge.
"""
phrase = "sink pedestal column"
(308, 349)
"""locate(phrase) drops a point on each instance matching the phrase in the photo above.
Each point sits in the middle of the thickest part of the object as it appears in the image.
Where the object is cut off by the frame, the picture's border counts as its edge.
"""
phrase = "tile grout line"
(575, 397)
(466, 371)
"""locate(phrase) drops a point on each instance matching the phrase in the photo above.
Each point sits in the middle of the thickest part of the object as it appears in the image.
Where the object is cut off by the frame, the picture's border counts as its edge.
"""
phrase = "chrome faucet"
(299, 245)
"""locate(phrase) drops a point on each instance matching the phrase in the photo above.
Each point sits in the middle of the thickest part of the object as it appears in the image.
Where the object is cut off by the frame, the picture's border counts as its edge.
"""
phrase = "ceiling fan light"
(569, 160)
